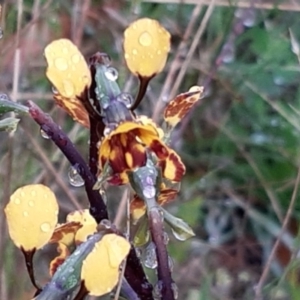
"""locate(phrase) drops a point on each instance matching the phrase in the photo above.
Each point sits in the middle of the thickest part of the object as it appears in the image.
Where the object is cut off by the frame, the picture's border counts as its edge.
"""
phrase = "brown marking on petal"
(160, 149)
(65, 233)
(74, 108)
(58, 260)
(172, 167)
(167, 196)
(179, 107)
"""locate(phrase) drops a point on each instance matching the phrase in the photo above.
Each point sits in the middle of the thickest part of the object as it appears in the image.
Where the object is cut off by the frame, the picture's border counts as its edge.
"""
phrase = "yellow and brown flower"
(124, 149)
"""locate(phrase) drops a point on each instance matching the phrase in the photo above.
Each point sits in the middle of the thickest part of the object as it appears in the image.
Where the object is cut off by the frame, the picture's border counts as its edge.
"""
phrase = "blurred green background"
(240, 145)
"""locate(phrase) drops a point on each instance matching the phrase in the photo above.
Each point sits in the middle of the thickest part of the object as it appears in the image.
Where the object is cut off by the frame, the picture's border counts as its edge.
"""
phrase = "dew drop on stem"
(74, 178)
(44, 134)
(180, 235)
(111, 74)
(150, 259)
(174, 288)
(157, 290)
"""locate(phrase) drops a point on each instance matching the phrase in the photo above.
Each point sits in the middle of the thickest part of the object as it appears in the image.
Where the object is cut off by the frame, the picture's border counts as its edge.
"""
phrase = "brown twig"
(97, 206)
(263, 277)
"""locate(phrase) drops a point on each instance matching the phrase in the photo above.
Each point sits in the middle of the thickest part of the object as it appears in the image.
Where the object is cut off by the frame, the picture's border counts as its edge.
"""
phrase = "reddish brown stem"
(163, 269)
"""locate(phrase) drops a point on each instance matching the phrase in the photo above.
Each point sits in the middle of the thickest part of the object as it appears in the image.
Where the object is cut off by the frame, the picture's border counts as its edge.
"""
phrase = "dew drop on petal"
(145, 39)
(61, 63)
(31, 203)
(111, 74)
(74, 178)
(65, 50)
(44, 134)
(25, 213)
(45, 227)
(17, 201)
(75, 58)
(134, 52)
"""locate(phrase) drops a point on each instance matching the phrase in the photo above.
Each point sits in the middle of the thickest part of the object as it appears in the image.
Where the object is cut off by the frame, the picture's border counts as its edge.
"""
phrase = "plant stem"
(163, 270)
(97, 205)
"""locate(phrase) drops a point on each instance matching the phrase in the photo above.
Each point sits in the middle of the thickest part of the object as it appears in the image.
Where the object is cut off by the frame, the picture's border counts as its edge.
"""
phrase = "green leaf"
(180, 229)
(9, 106)
(9, 124)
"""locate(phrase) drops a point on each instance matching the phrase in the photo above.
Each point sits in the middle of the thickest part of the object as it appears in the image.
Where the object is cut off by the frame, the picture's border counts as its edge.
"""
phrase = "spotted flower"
(124, 149)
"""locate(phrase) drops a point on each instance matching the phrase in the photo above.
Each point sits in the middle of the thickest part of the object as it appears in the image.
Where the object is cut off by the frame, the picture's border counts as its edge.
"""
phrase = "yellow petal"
(180, 106)
(31, 216)
(89, 225)
(69, 73)
(146, 46)
(100, 270)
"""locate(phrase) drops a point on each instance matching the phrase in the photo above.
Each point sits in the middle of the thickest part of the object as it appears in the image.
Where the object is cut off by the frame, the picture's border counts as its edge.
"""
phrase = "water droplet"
(76, 58)
(45, 227)
(1, 33)
(174, 287)
(103, 195)
(106, 223)
(138, 252)
(149, 191)
(126, 98)
(77, 252)
(54, 91)
(25, 213)
(33, 193)
(157, 290)
(180, 235)
(145, 39)
(106, 131)
(105, 59)
(31, 203)
(134, 52)
(170, 263)
(150, 259)
(166, 238)
(44, 134)
(61, 63)
(17, 201)
(70, 269)
(74, 178)
(111, 74)
(68, 88)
